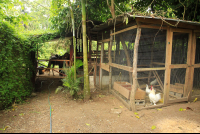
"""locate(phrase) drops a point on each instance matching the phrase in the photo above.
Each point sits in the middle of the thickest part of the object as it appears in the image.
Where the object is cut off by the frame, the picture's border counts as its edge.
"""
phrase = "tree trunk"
(85, 61)
(74, 41)
(135, 58)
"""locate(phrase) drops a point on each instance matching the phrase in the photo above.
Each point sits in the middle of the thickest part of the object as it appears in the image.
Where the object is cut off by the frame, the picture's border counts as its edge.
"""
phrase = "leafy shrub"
(69, 83)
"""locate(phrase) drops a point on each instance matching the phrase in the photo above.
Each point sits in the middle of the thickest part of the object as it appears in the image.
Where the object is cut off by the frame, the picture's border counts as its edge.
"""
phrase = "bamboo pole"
(134, 87)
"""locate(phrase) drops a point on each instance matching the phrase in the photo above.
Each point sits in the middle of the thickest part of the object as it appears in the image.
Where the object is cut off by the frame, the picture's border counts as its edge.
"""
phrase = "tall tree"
(85, 60)
(74, 41)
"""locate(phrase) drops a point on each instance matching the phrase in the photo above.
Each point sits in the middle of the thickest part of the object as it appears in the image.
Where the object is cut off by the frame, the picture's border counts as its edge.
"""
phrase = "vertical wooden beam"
(101, 61)
(135, 58)
(110, 60)
(168, 58)
(189, 63)
(193, 53)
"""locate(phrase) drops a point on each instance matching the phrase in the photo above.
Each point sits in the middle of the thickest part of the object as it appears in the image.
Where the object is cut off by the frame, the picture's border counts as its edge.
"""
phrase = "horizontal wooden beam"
(177, 100)
(105, 40)
(196, 65)
(124, 30)
(105, 67)
(153, 27)
(126, 68)
(178, 66)
(52, 60)
(181, 30)
(158, 63)
(150, 69)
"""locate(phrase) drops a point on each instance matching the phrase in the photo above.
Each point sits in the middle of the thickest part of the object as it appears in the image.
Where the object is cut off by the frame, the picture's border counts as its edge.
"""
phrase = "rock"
(33, 94)
(116, 111)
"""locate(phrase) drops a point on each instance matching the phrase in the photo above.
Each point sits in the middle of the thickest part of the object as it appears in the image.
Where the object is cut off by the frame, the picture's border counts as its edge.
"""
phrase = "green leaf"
(126, 20)
(153, 127)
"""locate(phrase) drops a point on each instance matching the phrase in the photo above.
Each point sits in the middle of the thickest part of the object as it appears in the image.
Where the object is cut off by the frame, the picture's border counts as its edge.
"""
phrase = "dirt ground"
(99, 115)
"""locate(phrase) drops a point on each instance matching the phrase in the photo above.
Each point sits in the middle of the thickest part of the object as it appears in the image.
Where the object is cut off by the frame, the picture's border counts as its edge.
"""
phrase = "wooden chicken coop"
(163, 53)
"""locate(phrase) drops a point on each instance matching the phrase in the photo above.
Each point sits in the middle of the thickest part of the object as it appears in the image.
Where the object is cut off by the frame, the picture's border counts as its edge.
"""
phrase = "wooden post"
(168, 58)
(193, 53)
(101, 61)
(135, 58)
(110, 60)
(188, 69)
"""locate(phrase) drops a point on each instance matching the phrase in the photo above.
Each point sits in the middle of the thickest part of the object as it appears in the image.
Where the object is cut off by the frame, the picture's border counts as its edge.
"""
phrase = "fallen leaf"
(195, 100)
(181, 109)
(87, 124)
(159, 109)
(135, 113)
(21, 114)
(13, 109)
(121, 106)
(51, 109)
(137, 116)
(153, 127)
(5, 128)
(188, 108)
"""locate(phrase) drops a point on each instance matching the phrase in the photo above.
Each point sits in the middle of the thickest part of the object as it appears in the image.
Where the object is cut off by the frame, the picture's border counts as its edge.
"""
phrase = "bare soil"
(101, 114)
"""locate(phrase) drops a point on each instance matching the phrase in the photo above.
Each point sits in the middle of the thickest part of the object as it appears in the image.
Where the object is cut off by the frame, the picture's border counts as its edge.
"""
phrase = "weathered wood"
(104, 40)
(110, 60)
(176, 88)
(126, 68)
(167, 64)
(135, 58)
(159, 80)
(101, 61)
(105, 67)
(177, 100)
(193, 53)
(150, 69)
(146, 77)
(181, 30)
(189, 63)
(196, 65)
(124, 30)
(158, 63)
(150, 107)
(153, 27)
(178, 66)
(122, 100)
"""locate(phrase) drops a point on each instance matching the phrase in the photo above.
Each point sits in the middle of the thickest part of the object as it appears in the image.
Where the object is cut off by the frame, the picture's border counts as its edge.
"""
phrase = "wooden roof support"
(134, 87)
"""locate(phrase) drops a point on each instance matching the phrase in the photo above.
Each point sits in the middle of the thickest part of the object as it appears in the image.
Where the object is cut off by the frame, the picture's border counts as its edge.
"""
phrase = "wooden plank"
(52, 60)
(181, 30)
(189, 68)
(158, 63)
(101, 61)
(153, 27)
(159, 80)
(159, 21)
(193, 53)
(146, 77)
(196, 65)
(150, 69)
(178, 66)
(177, 100)
(105, 67)
(104, 40)
(124, 30)
(176, 88)
(126, 68)
(168, 57)
(122, 100)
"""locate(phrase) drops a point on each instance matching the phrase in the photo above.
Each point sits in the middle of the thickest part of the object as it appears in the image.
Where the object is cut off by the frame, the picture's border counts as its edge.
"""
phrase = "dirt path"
(95, 116)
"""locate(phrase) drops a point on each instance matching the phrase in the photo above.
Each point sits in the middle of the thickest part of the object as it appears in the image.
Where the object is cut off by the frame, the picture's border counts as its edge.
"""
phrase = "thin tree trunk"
(74, 41)
(85, 61)
(135, 58)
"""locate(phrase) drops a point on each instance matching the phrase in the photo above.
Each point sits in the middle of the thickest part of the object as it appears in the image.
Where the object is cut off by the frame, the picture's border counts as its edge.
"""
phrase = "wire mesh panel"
(152, 48)
(196, 80)
(179, 48)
